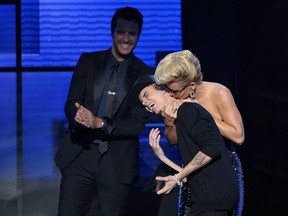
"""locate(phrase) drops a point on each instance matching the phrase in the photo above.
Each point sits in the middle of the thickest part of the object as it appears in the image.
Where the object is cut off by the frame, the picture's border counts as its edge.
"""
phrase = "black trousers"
(168, 204)
(211, 213)
(88, 175)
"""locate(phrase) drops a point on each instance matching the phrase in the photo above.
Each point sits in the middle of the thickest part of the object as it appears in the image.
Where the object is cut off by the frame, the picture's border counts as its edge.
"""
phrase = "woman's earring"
(192, 95)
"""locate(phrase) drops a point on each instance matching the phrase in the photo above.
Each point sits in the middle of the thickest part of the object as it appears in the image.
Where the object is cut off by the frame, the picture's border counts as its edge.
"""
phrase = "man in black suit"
(100, 152)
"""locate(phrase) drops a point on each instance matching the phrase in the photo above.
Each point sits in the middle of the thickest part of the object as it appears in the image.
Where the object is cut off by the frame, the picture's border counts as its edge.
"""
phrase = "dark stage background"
(244, 45)
(241, 44)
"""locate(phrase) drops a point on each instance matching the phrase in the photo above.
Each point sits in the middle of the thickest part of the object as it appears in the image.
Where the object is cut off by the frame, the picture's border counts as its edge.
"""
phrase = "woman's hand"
(170, 113)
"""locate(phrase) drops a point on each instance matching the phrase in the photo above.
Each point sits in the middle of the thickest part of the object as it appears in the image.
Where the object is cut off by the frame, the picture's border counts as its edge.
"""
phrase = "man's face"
(125, 38)
(153, 100)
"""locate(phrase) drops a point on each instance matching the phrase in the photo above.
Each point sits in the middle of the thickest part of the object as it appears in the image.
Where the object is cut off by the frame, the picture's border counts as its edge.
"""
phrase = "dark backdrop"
(244, 45)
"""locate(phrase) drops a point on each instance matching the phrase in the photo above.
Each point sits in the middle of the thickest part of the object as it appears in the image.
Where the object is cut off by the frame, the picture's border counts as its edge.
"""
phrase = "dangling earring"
(192, 94)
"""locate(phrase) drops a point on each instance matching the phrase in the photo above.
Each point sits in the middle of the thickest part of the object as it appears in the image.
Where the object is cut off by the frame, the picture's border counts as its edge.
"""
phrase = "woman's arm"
(169, 115)
(231, 124)
(170, 134)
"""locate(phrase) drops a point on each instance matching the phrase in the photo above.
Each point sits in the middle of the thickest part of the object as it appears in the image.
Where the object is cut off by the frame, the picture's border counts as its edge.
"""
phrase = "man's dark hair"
(127, 13)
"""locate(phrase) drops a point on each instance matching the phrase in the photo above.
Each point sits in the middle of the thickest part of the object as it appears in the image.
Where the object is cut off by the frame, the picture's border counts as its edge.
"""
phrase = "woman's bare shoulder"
(215, 87)
(217, 91)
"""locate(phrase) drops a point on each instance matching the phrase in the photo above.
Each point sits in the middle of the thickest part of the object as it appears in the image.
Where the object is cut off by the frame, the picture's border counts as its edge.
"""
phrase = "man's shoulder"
(96, 54)
(137, 62)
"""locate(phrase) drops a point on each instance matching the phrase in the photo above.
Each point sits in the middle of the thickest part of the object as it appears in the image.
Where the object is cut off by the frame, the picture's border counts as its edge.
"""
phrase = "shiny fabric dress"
(237, 167)
(184, 202)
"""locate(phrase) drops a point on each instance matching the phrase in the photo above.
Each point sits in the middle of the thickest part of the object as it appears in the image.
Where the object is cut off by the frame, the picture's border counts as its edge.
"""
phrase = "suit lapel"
(99, 69)
(99, 80)
(128, 81)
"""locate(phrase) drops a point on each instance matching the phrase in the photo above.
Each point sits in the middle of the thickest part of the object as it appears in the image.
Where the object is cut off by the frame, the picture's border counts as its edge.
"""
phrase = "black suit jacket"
(123, 128)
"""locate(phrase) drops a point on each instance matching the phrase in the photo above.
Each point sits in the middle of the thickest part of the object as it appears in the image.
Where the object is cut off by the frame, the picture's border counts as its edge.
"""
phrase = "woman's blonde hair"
(182, 67)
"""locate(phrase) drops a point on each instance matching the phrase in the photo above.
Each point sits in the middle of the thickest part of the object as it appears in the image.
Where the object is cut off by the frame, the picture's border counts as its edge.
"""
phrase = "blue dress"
(184, 202)
(237, 167)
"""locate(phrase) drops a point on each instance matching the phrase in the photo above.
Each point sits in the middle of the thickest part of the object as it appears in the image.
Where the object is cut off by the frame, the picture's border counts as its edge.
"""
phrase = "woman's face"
(153, 99)
(177, 91)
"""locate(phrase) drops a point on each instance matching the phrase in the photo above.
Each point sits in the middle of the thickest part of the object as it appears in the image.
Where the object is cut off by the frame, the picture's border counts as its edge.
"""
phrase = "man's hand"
(170, 183)
(154, 142)
(86, 118)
